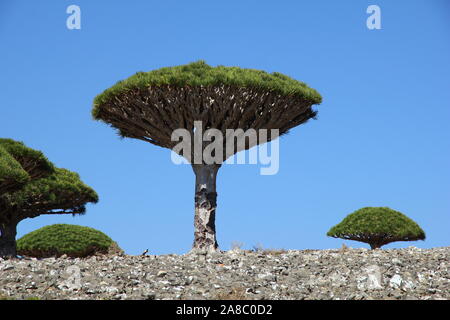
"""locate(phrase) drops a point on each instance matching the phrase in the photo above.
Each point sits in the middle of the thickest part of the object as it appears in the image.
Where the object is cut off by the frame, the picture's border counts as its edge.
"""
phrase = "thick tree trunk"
(8, 240)
(205, 207)
(374, 246)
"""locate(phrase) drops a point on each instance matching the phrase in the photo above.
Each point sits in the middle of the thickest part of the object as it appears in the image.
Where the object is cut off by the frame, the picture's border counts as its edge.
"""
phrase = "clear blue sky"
(382, 137)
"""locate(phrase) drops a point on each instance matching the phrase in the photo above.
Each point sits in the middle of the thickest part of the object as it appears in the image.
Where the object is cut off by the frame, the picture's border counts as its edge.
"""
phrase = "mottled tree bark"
(8, 239)
(205, 207)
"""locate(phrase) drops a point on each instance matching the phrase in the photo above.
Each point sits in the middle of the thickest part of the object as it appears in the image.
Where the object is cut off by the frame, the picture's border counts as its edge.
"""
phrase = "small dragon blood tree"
(151, 106)
(35, 189)
(71, 240)
(377, 226)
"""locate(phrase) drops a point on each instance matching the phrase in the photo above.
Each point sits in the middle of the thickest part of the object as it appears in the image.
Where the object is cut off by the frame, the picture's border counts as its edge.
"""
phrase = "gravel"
(357, 274)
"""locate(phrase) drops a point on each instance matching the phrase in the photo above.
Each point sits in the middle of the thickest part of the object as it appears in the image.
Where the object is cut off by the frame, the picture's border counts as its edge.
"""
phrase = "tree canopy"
(151, 105)
(20, 164)
(377, 226)
(11, 172)
(197, 74)
(60, 193)
(59, 239)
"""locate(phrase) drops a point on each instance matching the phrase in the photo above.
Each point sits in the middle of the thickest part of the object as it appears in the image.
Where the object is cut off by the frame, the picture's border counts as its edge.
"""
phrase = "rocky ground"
(410, 273)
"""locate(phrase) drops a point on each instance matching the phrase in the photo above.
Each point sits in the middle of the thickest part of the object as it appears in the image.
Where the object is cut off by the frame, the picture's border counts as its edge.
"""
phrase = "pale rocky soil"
(410, 273)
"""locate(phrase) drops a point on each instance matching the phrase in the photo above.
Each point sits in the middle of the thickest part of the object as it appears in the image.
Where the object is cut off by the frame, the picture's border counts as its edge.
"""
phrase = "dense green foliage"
(59, 239)
(11, 172)
(32, 161)
(377, 226)
(63, 190)
(20, 164)
(201, 74)
(30, 185)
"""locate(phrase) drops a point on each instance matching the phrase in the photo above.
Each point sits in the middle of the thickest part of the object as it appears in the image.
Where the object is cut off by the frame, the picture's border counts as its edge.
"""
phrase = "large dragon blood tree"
(150, 106)
(30, 186)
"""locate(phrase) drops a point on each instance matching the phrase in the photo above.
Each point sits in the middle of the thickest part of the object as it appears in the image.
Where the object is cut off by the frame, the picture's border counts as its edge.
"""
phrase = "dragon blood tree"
(151, 106)
(48, 190)
(72, 240)
(377, 226)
